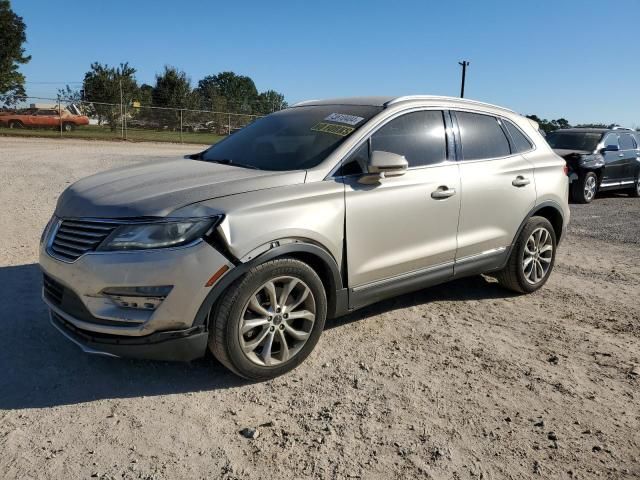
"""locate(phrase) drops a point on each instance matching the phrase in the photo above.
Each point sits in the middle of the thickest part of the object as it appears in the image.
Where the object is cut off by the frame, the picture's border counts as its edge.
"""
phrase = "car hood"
(158, 188)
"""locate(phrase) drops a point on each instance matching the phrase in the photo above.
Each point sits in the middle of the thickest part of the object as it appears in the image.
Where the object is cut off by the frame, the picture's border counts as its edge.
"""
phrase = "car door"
(497, 189)
(628, 147)
(403, 226)
(614, 161)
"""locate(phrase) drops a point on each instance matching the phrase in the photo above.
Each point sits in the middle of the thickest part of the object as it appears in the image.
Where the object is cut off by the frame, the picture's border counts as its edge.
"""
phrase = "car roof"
(386, 101)
(583, 130)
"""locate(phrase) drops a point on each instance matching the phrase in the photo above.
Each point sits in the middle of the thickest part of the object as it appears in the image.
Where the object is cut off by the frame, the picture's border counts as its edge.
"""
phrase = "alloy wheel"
(538, 253)
(590, 185)
(277, 321)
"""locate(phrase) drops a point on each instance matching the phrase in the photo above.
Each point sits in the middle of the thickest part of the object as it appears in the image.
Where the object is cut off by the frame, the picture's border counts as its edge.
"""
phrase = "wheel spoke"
(254, 305)
(266, 350)
(284, 347)
(286, 291)
(249, 325)
(306, 314)
(256, 342)
(527, 261)
(301, 299)
(545, 259)
(546, 248)
(296, 334)
(270, 288)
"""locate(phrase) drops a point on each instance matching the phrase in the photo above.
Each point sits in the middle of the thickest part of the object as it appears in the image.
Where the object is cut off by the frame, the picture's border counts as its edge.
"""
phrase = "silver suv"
(306, 214)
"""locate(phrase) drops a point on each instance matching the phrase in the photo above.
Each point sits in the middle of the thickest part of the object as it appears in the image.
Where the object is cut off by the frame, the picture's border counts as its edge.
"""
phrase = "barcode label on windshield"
(344, 118)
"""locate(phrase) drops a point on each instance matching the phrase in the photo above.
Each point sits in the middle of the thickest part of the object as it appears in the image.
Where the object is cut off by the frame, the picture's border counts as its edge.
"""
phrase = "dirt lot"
(461, 381)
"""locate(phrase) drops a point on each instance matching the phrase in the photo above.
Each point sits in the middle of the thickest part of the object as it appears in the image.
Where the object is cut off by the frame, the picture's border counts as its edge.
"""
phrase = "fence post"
(229, 124)
(125, 121)
(181, 126)
(59, 116)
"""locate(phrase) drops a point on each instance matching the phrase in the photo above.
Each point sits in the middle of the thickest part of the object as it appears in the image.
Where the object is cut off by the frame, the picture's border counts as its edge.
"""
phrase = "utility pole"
(121, 112)
(464, 64)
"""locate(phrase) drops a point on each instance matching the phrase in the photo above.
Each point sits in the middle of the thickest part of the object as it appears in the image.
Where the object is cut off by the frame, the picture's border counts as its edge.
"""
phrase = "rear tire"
(269, 320)
(532, 257)
(585, 188)
(15, 124)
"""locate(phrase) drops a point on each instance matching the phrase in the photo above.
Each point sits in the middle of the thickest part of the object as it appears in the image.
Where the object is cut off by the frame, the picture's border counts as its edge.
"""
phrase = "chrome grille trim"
(71, 239)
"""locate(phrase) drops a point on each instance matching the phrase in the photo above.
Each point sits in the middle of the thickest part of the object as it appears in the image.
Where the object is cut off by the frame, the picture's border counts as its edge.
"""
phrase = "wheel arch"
(318, 258)
(549, 210)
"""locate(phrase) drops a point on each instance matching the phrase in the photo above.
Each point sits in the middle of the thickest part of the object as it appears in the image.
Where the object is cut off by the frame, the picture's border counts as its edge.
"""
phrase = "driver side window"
(418, 136)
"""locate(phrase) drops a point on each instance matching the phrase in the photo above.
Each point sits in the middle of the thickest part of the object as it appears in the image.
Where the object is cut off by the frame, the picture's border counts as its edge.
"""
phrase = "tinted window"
(291, 139)
(519, 141)
(627, 142)
(611, 139)
(419, 136)
(481, 136)
(585, 141)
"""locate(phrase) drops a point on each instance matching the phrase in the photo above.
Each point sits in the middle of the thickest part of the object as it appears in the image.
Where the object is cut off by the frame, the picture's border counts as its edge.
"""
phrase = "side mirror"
(610, 148)
(387, 164)
(194, 156)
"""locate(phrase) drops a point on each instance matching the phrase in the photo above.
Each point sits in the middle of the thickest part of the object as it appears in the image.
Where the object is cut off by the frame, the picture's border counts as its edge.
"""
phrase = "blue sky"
(577, 59)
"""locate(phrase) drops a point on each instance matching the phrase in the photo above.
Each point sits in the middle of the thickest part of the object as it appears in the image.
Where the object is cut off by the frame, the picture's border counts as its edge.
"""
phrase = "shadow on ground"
(40, 368)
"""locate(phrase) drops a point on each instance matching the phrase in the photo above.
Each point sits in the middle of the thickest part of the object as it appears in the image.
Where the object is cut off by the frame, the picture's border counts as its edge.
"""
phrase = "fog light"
(142, 298)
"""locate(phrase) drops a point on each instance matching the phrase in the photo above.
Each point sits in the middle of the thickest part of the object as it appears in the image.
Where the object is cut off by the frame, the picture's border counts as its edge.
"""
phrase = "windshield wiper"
(228, 161)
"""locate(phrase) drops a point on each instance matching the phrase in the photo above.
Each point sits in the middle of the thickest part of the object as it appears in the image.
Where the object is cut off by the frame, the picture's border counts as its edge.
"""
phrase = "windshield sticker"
(344, 118)
(340, 130)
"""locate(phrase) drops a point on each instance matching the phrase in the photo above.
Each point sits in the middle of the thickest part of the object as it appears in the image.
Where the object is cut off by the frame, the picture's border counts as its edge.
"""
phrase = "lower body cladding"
(138, 304)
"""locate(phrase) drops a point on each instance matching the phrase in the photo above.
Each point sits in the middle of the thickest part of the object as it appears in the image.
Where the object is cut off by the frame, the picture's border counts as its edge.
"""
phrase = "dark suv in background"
(599, 159)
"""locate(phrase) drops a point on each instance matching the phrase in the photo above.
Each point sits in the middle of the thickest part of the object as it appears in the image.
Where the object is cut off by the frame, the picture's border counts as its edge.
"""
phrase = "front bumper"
(181, 345)
(98, 325)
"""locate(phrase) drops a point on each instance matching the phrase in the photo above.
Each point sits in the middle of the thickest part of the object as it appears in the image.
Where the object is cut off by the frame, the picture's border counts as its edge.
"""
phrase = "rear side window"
(627, 142)
(519, 142)
(481, 137)
(419, 136)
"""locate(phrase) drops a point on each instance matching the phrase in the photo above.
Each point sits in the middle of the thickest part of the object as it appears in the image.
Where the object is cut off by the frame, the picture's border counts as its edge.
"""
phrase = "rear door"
(405, 225)
(497, 187)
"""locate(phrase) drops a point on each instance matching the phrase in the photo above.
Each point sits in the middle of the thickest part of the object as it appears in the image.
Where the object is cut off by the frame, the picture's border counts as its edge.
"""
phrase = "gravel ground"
(460, 381)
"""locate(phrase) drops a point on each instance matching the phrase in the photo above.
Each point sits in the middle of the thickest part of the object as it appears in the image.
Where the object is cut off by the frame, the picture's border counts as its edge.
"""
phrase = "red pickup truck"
(42, 118)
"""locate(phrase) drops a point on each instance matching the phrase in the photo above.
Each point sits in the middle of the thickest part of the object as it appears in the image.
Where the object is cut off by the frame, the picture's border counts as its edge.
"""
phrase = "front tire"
(585, 188)
(532, 257)
(68, 127)
(636, 188)
(269, 320)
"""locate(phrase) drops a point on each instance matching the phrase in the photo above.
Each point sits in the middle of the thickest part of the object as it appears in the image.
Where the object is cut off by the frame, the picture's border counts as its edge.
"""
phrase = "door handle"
(520, 181)
(443, 192)
(621, 154)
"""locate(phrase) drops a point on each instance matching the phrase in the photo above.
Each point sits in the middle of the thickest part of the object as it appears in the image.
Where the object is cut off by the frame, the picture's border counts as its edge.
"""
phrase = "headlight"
(142, 236)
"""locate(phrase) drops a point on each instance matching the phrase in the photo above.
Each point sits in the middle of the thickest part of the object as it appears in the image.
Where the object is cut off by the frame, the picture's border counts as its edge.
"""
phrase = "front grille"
(74, 238)
(52, 290)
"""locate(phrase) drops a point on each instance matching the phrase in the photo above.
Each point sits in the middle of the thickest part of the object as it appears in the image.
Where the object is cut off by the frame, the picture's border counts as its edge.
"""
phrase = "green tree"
(103, 85)
(12, 54)
(548, 126)
(270, 101)
(173, 90)
(239, 91)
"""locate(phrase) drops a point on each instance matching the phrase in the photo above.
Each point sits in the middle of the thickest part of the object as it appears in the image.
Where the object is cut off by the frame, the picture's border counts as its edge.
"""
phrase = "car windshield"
(293, 139)
(586, 141)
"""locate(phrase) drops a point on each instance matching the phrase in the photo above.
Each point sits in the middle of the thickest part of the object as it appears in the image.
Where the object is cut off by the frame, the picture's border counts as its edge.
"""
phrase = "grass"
(93, 132)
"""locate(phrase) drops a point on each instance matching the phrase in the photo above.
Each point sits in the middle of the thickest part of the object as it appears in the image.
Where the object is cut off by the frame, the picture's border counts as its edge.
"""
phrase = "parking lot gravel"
(461, 381)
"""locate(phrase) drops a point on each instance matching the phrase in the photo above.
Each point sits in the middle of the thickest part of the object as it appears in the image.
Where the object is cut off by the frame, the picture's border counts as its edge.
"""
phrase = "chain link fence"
(37, 116)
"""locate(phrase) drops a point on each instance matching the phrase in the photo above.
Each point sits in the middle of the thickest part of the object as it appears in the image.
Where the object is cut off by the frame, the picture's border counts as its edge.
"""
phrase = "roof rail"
(442, 97)
(617, 127)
